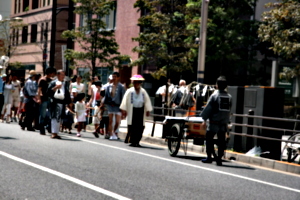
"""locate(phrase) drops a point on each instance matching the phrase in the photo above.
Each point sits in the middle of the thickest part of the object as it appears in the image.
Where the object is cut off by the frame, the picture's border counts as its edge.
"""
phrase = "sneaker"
(106, 136)
(113, 137)
(78, 135)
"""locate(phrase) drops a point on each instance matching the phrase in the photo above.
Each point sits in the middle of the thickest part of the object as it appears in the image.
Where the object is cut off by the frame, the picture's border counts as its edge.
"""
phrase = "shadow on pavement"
(7, 138)
(146, 147)
(239, 167)
(191, 157)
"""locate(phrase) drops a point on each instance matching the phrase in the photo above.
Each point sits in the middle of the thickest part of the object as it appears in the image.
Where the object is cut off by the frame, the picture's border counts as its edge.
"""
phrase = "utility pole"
(202, 46)
(53, 34)
(70, 27)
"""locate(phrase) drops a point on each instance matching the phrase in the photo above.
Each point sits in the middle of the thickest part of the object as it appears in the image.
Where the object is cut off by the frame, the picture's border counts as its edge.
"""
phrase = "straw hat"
(137, 77)
(32, 73)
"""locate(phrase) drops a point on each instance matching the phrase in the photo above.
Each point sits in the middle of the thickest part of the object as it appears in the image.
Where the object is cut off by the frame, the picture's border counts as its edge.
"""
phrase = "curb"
(253, 160)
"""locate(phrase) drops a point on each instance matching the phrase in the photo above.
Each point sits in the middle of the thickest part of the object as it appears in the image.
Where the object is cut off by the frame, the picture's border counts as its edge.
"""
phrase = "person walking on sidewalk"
(42, 94)
(8, 98)
(136, 105)
(113, 97)
(217, 110)
(58, 92)
(30, 93)
(80, 111)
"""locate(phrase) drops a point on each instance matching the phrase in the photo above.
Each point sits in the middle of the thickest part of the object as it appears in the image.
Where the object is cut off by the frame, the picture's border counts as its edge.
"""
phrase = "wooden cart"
(177, 131)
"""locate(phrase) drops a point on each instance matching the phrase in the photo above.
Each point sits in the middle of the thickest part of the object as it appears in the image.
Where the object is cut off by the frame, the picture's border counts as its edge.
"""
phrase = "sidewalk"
(253, 160)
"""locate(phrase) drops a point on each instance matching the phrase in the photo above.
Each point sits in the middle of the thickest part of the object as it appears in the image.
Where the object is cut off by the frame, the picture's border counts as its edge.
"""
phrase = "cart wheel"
(291, 149)
(174, 140)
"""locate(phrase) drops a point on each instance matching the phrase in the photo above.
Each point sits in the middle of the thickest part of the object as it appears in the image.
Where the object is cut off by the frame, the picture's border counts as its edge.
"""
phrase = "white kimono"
(127, 104)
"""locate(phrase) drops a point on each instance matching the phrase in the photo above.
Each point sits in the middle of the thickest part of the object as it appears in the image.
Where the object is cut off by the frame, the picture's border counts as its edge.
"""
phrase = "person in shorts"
(113, 97)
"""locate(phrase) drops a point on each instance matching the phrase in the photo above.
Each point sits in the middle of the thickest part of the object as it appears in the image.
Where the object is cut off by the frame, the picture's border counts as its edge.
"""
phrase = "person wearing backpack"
(217, 111)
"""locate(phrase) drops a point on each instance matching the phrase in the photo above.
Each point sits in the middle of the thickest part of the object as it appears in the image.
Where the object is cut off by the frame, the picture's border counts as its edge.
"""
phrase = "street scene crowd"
(56, 103)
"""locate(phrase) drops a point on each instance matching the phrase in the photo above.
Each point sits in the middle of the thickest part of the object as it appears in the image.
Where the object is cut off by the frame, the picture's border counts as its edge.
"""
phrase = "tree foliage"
(281, 27)
(169, 30)
(231, 35)
(97, 43)
(163, 37)
(8, 30)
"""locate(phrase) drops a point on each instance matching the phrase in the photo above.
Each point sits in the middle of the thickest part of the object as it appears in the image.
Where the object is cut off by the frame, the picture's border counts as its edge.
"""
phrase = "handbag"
(59, 94)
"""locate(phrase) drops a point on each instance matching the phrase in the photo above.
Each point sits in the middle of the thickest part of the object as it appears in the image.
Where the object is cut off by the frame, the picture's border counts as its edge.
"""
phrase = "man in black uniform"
(217, 111)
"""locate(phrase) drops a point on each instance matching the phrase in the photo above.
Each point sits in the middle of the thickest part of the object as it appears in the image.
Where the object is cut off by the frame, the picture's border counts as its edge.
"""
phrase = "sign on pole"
(63, 48)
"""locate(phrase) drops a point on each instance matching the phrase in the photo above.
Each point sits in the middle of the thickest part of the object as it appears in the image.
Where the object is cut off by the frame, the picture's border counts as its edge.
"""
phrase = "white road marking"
(191, 165)
(67, 177)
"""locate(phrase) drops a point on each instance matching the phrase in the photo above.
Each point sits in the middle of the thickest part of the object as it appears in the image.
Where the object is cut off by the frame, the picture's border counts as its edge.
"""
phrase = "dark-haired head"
(222, 83)
(80, 96)
(50, 70)
(116, 73)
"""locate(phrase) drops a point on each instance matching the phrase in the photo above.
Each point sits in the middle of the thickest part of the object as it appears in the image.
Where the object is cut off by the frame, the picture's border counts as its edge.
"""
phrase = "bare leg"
(117, 122)
(110, 122)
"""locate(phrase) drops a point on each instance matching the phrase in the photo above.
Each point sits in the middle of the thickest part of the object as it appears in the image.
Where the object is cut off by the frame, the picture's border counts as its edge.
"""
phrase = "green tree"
(281, 28)
(97, 43)
(163, 37)
(8, 35)
(231, 36)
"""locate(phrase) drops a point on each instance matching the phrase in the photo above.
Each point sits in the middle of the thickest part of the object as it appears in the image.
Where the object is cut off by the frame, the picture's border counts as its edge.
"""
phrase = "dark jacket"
(54, 101)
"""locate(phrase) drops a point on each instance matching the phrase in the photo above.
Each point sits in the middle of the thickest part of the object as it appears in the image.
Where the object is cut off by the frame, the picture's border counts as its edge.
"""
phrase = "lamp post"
(53, 33)
(202, 40)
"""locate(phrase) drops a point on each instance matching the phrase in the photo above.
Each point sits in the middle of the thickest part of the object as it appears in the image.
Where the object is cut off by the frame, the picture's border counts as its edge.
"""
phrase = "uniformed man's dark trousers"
(210, 143)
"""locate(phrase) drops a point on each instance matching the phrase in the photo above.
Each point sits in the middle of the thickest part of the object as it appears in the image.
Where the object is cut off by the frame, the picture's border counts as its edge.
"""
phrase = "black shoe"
(96, 134)
(55, 137)
(30, 129)
(133, 145)
(207, 160)
(138, 145)
(219, 162)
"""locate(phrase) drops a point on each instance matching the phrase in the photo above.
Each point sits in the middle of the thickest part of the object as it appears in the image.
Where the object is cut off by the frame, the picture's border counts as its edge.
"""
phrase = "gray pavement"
(239, 157)
(37, 167)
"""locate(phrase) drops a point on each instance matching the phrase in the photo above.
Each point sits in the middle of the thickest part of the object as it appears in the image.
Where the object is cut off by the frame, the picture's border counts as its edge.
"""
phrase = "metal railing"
(265, 127)
(237, 124)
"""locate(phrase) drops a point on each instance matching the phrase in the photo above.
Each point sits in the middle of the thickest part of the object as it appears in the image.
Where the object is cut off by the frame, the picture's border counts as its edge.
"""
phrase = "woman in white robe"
(136, 105)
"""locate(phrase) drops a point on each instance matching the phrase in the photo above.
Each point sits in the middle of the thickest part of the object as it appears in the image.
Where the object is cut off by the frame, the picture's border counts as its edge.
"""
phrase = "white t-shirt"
(78, 88)
(17, 86)
(137, 99)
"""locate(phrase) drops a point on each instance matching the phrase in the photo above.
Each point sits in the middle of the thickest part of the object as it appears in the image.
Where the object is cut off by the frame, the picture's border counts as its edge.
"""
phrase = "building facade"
(124, 21)
(32, 44)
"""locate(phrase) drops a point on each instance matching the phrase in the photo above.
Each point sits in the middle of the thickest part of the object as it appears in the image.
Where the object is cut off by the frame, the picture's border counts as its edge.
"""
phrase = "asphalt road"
(37, 167)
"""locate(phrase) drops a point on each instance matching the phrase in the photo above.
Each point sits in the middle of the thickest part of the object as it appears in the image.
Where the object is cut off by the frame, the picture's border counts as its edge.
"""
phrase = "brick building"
(124, 21)
(33, 41)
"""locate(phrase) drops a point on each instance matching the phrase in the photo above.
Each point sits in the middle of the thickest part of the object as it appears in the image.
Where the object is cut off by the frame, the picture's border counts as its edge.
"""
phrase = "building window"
(25, 5)
(110, 19)
(33, 33)
(17, 37)
(35, 4)
(24, 34)
(17, 6)
(42, 32)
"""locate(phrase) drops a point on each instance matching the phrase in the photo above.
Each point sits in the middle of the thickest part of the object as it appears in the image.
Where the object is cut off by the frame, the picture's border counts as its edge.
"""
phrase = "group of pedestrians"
(56, 104)
(9, 97)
